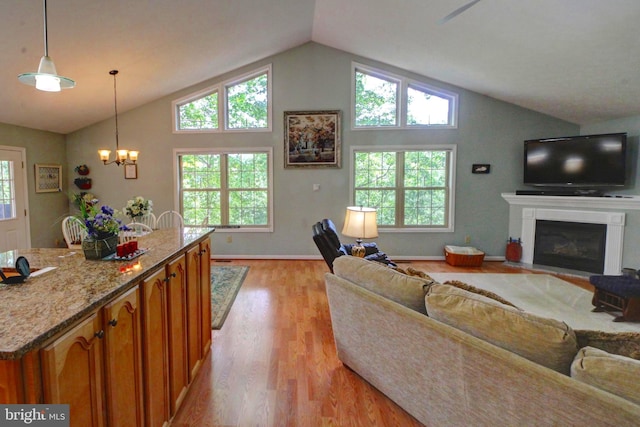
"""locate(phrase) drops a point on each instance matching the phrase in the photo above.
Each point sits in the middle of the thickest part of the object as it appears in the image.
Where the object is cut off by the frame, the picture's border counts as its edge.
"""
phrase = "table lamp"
(360, 223)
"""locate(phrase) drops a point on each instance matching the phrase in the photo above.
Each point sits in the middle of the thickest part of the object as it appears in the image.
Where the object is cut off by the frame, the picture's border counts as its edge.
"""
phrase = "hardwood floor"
(274, 361)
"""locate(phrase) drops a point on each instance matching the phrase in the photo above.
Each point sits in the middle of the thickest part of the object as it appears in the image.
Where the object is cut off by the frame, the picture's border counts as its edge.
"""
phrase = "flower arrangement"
(100, 222)
(138, 207)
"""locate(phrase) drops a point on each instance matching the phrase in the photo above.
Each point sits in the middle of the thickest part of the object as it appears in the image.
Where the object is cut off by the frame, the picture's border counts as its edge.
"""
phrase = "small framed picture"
(48, 178)
(480, 168)
(131, 171)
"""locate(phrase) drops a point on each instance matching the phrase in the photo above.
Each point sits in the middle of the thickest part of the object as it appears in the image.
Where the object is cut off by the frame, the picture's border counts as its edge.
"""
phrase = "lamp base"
(358, 250)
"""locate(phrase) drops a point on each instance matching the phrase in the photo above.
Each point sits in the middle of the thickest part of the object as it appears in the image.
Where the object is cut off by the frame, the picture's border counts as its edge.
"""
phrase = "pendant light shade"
(46, 78)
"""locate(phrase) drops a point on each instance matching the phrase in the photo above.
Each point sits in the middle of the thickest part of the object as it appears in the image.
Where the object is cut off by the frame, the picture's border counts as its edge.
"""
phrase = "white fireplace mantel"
(572, 209)
(580, 202)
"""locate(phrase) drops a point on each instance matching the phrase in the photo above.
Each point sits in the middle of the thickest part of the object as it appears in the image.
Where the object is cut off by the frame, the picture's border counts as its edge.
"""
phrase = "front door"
(14, 232)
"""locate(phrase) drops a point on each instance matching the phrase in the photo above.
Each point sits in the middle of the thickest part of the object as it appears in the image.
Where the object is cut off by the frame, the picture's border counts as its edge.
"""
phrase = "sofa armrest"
(443, 376)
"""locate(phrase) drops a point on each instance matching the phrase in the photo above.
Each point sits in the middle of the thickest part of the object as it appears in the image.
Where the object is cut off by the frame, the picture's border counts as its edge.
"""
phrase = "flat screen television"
(585, 161)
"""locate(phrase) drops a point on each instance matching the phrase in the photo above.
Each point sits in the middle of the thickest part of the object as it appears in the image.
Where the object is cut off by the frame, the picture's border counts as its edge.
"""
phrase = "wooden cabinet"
(129, 362)
(177, 305)
(73, 372)
(123, 360)
(165, 342)
(205, 299)
(198, 305)
(96, 367)
(156, 349)
(194, 313)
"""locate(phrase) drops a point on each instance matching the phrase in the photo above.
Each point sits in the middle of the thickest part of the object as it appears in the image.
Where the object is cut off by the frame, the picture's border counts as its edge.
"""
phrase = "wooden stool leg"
(631, 310)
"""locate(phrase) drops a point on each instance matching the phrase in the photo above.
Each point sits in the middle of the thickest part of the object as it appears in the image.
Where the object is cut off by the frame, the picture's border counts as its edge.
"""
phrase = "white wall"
(315, 77)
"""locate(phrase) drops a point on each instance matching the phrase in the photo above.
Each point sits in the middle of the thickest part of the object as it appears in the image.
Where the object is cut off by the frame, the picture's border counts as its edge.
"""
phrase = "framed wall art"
(48, 178)
(131, 171)
(312, 139)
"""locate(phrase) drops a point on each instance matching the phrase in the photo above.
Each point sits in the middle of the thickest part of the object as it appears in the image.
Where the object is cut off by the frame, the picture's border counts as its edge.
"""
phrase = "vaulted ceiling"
(577, 60)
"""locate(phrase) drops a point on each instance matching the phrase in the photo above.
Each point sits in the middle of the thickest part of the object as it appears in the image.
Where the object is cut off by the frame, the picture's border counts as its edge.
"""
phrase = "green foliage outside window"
(247, 104)
(225, 189)
(375, 101)
(201, 113)
(408, 188)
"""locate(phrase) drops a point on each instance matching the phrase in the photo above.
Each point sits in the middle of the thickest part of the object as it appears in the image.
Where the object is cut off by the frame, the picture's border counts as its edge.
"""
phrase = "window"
(246, 106)
(227, 189)
(376, 100)
(382, 100)
(201, 113)
(7, 192)
(247, 103)
(412, 188)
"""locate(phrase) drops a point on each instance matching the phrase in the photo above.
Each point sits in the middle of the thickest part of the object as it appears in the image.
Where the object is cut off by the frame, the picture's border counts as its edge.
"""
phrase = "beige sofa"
(444, 376)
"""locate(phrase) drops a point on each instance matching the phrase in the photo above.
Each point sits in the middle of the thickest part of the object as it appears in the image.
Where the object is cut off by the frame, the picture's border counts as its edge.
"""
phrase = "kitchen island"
(119, 341)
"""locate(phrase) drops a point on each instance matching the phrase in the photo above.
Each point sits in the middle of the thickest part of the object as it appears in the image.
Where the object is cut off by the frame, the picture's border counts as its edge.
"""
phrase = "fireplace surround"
(614, 222)
(571, 245)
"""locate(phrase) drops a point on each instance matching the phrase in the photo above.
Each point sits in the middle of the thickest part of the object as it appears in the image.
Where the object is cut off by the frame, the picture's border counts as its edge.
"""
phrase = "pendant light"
(123, 157)
(46, 79)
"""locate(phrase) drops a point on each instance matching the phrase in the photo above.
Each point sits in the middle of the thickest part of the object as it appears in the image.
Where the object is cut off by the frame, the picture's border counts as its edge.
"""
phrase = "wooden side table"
(617, 293)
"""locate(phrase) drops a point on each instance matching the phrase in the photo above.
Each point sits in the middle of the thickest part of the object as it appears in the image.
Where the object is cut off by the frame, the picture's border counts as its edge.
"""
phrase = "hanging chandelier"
(46, 78)
(123, 157)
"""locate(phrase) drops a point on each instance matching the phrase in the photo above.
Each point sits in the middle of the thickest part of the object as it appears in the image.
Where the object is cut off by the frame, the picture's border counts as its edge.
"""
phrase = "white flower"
(138, 206)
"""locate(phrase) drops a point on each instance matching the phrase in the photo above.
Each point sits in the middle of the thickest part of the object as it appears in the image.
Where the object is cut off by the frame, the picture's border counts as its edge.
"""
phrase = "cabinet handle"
(173, 274)
(113, 322)
(99, 334)
(166, 280)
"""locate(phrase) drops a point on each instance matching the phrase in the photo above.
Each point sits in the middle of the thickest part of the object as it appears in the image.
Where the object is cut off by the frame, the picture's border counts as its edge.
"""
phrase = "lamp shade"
(360, 223)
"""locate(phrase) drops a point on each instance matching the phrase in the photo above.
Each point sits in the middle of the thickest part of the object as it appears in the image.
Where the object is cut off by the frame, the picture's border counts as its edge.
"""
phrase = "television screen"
(576, 161)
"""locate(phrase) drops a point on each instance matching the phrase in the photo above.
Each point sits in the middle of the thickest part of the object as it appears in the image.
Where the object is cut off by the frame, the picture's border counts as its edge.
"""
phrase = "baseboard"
(318, 257)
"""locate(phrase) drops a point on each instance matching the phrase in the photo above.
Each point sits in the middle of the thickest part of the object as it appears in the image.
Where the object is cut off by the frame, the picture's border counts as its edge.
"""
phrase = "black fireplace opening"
(572, 245)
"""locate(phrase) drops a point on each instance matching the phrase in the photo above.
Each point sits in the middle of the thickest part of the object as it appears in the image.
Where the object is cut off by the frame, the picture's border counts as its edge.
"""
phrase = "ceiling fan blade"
(457, 12)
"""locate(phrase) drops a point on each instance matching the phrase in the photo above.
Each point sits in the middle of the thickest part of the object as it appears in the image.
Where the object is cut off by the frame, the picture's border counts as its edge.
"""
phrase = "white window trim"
(380, 75)
(442, 93)
(176, 104)
(177, 152)
(220, 88)
(241, 79)
(401, 113)
(453, 148)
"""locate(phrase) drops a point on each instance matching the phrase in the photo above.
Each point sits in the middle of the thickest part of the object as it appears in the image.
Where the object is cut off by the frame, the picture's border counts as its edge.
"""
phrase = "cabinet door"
(205, 292)
(177, 302)
(194, 311)
(123, 360)
(72, 372)
(155, 338)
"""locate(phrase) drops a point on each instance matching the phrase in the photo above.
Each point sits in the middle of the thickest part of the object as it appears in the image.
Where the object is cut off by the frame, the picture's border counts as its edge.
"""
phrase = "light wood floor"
(274, 362)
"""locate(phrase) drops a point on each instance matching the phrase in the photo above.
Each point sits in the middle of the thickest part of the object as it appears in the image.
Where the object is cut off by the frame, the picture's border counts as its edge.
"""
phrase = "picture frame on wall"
(312, 139)
(131, 171)
(48, 178)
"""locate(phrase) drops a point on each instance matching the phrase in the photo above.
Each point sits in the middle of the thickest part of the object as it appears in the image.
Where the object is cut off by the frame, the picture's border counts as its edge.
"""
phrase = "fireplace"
(613, 236)
(571, 245)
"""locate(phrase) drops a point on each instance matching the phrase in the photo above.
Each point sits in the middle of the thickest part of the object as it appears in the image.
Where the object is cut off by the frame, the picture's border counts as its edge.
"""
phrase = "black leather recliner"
(326, 238)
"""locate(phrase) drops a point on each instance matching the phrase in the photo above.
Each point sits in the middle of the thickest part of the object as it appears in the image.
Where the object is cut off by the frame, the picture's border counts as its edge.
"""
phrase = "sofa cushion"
(549, 342)
(484, 292)
(382, 280)
(620, 343)
(611, 372)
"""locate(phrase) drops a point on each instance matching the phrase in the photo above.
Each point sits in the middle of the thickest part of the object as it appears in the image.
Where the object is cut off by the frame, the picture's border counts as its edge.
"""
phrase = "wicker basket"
(463, 257)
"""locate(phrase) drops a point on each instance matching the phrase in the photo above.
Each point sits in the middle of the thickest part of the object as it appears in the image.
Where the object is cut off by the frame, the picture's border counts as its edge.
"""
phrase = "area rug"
(546, 296)
(225, 284)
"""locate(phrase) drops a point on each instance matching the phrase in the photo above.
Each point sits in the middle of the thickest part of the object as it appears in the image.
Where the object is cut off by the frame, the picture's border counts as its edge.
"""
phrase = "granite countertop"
(46, 304)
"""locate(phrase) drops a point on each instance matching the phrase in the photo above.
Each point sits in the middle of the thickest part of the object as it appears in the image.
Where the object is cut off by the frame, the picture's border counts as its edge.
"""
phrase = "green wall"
(46, 209)
(316, 77)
